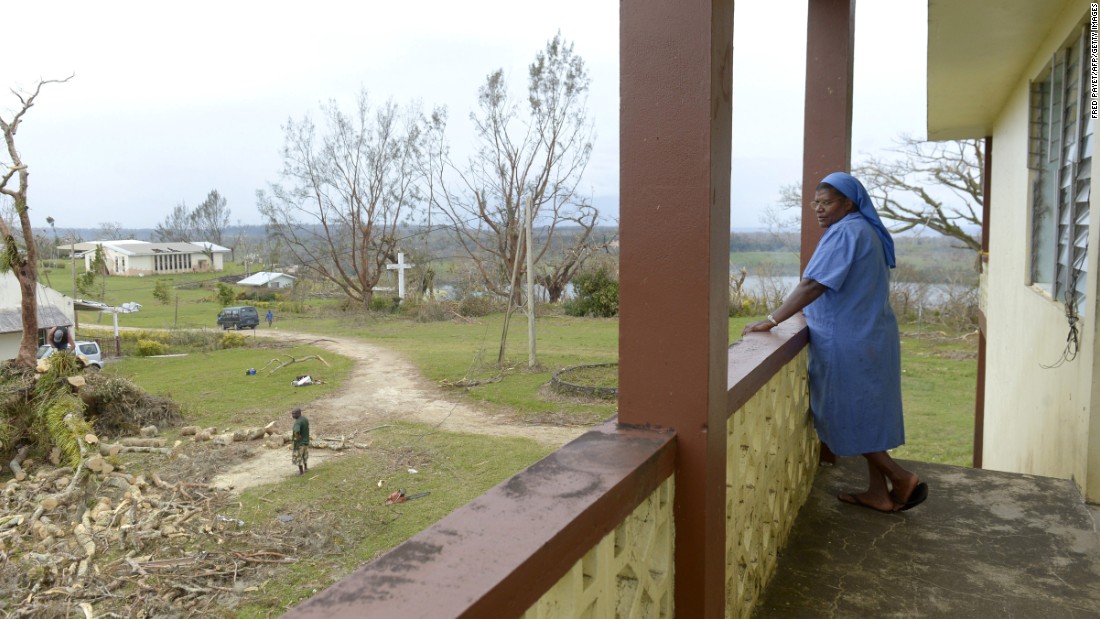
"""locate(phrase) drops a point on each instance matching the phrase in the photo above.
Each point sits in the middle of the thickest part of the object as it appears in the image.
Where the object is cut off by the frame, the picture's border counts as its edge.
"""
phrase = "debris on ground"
(399, 496)
(137, 545)
(115, 406)
(291, 361)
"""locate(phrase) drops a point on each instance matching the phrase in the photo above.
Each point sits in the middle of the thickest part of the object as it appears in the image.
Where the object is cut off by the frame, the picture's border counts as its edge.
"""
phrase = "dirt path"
(382, 386)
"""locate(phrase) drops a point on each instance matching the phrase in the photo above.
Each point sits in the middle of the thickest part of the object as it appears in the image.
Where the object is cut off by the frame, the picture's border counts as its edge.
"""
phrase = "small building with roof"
(54, 310)
(265, 279)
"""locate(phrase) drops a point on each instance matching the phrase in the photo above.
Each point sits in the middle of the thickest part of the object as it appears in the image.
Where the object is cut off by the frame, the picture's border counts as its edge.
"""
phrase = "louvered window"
(1061, 142)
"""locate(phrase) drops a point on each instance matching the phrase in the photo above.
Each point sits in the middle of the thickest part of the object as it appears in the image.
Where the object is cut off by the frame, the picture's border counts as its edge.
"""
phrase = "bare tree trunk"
(24, 263)
(28, 345)
(508, 312)
(532, 360)
(555, 291)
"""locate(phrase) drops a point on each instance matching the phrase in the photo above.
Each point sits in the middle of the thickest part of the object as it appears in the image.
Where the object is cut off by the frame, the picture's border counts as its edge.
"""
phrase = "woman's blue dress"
(855, 349)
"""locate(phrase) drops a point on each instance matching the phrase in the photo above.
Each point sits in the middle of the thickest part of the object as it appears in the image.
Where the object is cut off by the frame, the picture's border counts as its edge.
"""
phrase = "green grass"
(196, 307)
(214, 390)
(938, 389)
(454, 468)
(761, 262)
(593, 376)
(454, 350)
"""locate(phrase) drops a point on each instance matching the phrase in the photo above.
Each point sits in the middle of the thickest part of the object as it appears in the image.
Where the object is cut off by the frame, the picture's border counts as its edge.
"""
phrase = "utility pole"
(511, 296)
(72, 254)
(532, 360)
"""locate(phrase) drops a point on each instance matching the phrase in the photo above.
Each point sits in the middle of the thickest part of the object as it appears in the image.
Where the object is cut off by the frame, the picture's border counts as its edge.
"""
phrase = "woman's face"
(830, 206)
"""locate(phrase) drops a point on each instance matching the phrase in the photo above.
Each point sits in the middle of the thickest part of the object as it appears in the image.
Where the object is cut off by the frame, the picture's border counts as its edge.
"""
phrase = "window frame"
(1061, 133)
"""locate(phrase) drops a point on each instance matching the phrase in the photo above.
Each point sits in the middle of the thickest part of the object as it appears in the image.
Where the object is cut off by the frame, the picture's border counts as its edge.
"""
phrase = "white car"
(89, 350)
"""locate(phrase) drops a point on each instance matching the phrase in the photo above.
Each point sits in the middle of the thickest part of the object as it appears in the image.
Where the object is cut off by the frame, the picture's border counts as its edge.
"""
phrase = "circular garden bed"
(597, 380)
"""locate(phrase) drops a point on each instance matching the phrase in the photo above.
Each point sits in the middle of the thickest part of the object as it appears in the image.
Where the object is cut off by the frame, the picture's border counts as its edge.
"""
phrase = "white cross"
(400, 266)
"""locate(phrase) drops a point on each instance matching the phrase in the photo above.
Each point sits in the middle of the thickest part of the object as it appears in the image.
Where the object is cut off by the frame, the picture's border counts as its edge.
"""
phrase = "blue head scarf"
(854, 190)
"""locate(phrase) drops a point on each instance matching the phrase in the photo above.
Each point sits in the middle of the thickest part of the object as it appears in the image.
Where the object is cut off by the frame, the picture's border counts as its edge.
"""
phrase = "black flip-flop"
(855, 500)
(919, 494)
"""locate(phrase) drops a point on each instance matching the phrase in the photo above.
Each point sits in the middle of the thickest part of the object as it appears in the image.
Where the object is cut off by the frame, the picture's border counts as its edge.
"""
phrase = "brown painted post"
(827, 133)
(979, 399)
(675, 149)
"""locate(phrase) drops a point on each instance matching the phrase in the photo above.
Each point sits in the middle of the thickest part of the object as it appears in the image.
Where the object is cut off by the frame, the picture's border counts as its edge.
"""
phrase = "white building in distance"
(131, 257)
(269, 280)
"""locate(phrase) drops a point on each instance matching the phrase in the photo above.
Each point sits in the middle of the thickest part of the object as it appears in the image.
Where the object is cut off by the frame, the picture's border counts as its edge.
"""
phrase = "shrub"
(771, 290)
(741, 301)
(225, 294)
(162, 292)
(233, 340)
(149, 348)
(958, 308)
(474, 306)
(178, 340)
(259, 296)
(597, 294)
(382, 303)
(422, 310)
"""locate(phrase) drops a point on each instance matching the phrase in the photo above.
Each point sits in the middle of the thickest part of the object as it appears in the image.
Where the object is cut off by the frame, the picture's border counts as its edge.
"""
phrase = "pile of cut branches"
(98, 539)
(50, 409)
(118, 407)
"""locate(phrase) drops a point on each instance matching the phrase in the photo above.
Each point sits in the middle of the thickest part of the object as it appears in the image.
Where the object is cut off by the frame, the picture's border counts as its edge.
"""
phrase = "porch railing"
(589, 530)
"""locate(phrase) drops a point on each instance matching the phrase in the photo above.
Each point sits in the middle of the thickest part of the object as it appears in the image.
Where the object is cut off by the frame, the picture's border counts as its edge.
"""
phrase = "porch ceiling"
(977, 51)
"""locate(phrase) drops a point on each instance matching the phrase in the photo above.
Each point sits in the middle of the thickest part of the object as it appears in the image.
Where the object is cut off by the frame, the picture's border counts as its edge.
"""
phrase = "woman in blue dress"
(855, 351)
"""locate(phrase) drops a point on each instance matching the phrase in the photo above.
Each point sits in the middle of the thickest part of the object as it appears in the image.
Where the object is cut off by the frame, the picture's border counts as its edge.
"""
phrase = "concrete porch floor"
(984, 544)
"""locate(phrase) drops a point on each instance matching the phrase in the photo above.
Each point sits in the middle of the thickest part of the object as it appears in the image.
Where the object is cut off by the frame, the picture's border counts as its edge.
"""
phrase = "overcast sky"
(170, 101)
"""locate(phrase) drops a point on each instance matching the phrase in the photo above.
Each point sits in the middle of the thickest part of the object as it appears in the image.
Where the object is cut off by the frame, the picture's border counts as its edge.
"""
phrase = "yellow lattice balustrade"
(772, 458)
(627, 575)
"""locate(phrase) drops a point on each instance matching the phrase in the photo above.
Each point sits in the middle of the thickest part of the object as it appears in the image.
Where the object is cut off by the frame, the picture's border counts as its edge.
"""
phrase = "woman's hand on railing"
(762, 325)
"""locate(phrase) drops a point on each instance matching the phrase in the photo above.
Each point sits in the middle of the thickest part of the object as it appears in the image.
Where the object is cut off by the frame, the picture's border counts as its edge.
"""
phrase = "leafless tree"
(536, 152)
(907, 187)
(177, 226)
(110, 231)
(210, 218)
(558, 269)
(936, 185)
(19, 254)
(345, 189)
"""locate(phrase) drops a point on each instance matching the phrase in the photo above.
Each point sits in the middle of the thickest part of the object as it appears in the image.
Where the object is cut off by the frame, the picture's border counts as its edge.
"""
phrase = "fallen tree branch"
(141, 442)
(249, 434)
(15, 463)
(468, 382)
(292, 361)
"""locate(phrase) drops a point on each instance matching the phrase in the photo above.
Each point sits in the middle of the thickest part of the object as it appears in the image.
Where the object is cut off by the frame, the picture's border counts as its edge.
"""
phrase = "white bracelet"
(775, 323)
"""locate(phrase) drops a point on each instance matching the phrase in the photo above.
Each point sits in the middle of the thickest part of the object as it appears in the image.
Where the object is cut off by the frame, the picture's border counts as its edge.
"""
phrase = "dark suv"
(240, 317)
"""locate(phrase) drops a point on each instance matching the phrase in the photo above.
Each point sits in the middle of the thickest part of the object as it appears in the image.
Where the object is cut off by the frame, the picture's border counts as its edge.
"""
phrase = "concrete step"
(984, 544)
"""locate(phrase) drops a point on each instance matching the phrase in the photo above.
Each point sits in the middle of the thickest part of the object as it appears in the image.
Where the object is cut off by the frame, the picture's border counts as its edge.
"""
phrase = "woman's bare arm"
(803, 294)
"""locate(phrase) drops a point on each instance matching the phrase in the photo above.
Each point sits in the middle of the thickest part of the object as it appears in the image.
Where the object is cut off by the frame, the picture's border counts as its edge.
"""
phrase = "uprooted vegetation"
(53, 407)
(82, 531)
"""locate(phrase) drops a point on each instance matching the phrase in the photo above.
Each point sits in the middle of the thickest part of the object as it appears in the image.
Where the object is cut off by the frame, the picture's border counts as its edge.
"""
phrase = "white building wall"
(140, 265)
(12, 298)
(9, 345)
(281, 282)
(1037, 420)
